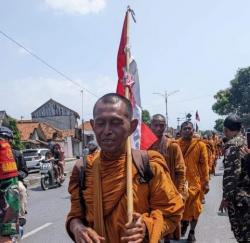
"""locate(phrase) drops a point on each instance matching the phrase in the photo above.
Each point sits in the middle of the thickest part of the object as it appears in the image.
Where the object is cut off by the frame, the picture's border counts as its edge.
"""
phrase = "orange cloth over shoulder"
(211, 153)
(158, 201)
(91, 157)
(174, 159)
(197, 174)
(173, 155)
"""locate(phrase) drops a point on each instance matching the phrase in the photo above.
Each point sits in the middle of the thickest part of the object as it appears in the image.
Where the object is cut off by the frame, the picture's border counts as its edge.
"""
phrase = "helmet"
(92, 145)
(5, 132)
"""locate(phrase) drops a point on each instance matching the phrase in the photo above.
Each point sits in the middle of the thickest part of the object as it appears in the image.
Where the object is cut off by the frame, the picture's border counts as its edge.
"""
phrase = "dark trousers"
(239, 216)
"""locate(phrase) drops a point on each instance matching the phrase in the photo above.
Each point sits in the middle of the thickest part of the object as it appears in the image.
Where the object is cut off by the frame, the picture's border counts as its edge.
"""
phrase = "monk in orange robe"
(172, 153)
(210, 152)
(218, 147)
(216, 139)
(197, 174)
(157, 204)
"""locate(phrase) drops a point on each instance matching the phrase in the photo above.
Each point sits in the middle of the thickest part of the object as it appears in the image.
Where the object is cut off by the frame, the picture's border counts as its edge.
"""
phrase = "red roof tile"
(68, 133)
(26, 128)
(49, 130)
(87, 126)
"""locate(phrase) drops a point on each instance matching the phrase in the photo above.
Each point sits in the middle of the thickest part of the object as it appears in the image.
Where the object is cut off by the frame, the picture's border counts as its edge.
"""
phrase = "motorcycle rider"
(59, 157)
(9, 194)
(49, 157)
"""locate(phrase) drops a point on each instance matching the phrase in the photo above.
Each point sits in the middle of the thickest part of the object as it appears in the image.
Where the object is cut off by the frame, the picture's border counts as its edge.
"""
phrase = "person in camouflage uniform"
(236, 181)
(9, 194)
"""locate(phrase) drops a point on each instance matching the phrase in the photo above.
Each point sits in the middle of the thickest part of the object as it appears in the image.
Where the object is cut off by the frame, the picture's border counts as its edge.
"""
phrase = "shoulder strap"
(82, 168)
(141, 162)
(82, 173)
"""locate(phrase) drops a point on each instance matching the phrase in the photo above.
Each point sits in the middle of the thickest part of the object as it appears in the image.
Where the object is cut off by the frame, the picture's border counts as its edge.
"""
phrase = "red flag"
(143, 137)
(197, 117)
(121, 58)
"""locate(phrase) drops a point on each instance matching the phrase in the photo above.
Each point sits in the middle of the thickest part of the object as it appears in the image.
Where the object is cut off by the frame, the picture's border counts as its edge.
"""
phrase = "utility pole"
(178, 123)
(83, 139)
(166, 104)
(165, 96)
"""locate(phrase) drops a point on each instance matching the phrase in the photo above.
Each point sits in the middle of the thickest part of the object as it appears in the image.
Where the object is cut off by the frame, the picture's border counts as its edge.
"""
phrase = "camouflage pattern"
(9, 206)
(236, 188)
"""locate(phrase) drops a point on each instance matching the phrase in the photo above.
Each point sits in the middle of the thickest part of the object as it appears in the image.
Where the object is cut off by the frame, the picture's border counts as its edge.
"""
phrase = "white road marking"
(36, 230)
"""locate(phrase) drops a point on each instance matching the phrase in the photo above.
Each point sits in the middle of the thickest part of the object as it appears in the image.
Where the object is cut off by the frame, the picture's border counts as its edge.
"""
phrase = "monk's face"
(158, 127)
(187, 131)
(112, 126)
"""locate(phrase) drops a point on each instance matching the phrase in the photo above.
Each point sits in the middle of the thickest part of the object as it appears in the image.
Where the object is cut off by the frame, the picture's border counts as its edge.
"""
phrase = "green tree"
(222, 105)
(236, 98)
(146, 117)
(219, 125)
(17, 144)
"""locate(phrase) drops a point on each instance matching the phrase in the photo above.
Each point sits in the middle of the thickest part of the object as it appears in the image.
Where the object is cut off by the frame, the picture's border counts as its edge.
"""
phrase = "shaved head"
(186, 123)
(158, 125)
(187, 130)
(114, 99)
(159, 117)
(112, 122)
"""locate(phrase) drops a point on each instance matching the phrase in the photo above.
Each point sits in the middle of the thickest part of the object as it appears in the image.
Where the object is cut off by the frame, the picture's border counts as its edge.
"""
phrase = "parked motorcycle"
(50, 174)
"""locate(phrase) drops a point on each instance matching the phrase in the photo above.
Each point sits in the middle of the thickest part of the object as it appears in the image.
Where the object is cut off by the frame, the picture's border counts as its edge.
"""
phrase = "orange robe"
(211, 154)
(197, 174)
(173, 155)
(91, 157)
(215, 140)
(158, 201)
(215, 154)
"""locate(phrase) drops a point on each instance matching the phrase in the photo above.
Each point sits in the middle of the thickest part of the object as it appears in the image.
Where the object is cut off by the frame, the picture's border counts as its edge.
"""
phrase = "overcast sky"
(193, 46)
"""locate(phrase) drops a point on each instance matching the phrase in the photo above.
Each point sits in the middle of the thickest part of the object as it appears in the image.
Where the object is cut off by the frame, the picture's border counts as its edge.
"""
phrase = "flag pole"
(130, 206)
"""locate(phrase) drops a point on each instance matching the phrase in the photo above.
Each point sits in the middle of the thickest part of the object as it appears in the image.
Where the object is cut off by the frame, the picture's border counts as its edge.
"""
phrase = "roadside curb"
(70, 159)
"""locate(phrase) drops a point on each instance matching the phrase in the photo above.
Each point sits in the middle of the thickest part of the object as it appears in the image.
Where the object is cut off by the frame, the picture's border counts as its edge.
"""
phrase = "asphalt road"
(47, 211)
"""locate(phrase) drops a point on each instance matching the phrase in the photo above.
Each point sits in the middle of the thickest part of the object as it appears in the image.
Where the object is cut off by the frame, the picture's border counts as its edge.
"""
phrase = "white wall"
(67, 148)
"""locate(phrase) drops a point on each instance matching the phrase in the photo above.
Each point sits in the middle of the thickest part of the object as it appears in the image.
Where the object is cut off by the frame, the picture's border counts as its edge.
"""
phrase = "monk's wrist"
(74, 224)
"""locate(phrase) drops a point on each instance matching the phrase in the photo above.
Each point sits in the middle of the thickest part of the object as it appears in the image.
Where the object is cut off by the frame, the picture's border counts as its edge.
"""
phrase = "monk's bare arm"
(75, 210)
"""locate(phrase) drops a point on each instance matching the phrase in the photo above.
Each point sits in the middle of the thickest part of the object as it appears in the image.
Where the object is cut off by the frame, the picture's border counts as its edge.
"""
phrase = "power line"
(46, 63)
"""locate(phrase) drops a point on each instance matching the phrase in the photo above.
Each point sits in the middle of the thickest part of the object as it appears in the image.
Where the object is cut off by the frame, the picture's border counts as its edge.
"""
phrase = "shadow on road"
(36, 189)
